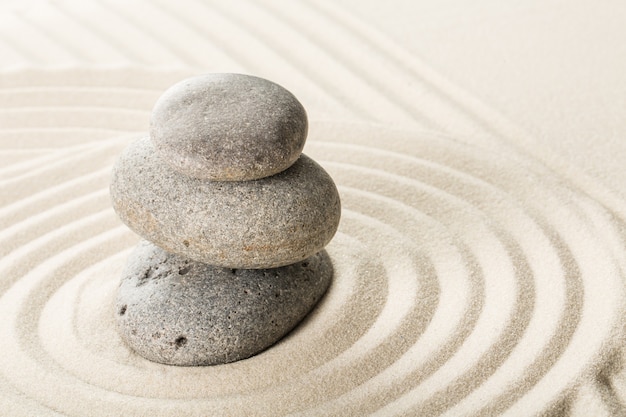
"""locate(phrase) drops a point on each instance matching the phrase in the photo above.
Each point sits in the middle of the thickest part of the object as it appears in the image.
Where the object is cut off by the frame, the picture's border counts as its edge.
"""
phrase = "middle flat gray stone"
(265, 223)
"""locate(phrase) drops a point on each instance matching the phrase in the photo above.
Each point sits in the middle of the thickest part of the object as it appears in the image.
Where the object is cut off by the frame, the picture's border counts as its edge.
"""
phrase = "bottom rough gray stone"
(176, 311)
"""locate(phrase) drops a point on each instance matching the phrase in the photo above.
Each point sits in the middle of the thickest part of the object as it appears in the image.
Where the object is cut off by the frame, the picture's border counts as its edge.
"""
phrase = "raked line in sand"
(468, 281)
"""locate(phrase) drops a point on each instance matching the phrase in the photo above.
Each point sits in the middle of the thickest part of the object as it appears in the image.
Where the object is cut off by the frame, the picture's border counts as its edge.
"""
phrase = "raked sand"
(474, 275)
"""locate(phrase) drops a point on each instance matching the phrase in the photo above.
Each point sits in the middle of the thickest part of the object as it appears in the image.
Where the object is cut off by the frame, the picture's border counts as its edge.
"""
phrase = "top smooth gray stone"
(228, 127)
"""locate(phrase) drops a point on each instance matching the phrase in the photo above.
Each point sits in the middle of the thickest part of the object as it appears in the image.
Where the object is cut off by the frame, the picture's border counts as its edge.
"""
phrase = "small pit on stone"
(183, 271)
(186, 243)
(123, 310)
(233, 271)
(180, 342)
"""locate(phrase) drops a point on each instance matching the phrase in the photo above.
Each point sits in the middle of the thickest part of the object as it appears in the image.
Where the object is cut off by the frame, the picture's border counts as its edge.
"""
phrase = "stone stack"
(234, 217)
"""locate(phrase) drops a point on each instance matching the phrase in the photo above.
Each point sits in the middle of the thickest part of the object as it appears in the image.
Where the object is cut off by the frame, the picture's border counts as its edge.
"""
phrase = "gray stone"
(228, 127)
(270, 222)
(179, 312)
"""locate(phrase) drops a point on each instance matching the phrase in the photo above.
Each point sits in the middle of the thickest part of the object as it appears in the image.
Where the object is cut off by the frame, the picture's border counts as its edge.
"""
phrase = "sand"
(478, 269)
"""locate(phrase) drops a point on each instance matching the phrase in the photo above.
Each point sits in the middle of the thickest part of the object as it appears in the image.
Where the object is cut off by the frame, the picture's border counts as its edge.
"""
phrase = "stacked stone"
(234, 217)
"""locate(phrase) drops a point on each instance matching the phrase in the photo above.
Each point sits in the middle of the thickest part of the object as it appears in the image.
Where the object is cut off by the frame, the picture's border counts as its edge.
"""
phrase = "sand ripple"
(468, 281)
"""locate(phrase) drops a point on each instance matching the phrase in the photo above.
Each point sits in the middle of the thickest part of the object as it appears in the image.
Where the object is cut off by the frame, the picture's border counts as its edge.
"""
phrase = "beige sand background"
(478, 148)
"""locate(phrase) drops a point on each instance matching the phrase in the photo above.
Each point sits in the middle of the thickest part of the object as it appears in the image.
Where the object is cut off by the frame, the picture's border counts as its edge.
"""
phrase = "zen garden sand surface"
(478, 267)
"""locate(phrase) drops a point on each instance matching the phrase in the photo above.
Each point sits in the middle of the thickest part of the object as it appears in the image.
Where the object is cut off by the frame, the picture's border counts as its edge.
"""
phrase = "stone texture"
(228, 127)
(265, 223)
(179, 312)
